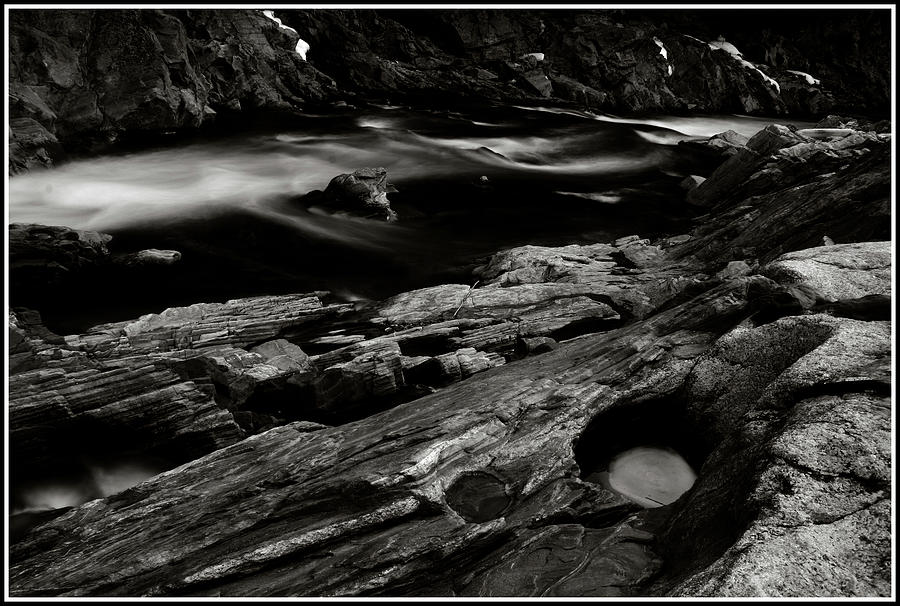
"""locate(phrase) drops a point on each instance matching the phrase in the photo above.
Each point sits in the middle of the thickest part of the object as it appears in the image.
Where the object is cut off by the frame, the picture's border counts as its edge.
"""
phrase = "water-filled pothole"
(478, 497)
(647, 475)
(647, 452)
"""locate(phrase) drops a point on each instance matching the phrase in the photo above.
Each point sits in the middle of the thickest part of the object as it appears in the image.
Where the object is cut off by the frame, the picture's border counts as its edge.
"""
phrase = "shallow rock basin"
(649, 476)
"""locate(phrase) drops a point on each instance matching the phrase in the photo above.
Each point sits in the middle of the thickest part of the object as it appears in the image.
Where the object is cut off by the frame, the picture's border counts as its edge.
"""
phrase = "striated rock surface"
(793, 192)
(62, 400)
(394, 466)
(466, 430)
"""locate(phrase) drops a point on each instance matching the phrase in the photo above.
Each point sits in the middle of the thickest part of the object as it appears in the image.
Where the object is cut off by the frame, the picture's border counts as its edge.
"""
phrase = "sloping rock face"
(805, 455)
(746, 195)
(451, 441)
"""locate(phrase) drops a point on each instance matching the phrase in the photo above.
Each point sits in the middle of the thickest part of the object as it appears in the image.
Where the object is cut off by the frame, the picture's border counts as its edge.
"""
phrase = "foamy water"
(246, 172)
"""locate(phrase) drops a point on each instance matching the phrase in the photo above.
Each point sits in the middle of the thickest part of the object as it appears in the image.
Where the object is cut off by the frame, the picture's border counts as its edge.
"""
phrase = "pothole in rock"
(647, 475)
(646, 452)
(478, 497)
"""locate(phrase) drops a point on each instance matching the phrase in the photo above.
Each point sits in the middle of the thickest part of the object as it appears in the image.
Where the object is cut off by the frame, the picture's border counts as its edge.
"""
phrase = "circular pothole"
(646, 451)
(478, 497)
(647, 475)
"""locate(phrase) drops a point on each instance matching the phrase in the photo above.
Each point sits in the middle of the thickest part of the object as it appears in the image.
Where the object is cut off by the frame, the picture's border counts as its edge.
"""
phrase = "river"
(233, 205)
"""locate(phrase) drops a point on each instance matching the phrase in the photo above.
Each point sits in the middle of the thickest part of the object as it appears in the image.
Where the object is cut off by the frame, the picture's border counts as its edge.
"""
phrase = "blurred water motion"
(245, 171)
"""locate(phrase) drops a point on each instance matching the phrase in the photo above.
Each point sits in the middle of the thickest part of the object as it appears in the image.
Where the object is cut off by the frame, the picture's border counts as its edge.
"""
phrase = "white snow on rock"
(728, 47)
(537, 56)
(767, 79)
(809, 79)
(696, 39)
(302, 46)
(732, 50)
(665, 55)
(662, 48)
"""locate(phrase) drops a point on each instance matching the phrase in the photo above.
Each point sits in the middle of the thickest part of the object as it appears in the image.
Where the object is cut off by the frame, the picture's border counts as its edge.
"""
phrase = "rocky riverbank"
(448, 441)
(83, 81)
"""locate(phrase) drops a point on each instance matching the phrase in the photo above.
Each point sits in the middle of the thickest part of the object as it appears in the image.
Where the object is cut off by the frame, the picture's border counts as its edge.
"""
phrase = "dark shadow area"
(657, 423)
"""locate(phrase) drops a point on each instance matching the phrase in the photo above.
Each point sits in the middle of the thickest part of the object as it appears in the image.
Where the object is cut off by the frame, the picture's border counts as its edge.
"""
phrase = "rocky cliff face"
(80, 79)
(88, 77)
(451, 441)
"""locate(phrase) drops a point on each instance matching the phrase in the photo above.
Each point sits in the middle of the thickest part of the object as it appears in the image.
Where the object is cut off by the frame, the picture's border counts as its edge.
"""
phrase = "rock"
(178, 70)
(629, 275)
(47, 259)
(742, 164)
(373, 375)
(31, 146)
(841, 271)
(87, 77)
(275, 366)
(537, 80)
(691, 182)
(538, 345)
(639, 253)
(55, 247)
(571, 560)
(363, 192)
(733, 270)
(66, 406)
(720, 146)
(150, 256)
(539, 307)
(393, 474)
(238, 323)
(816, 188)
(795, 508)
(283, 355)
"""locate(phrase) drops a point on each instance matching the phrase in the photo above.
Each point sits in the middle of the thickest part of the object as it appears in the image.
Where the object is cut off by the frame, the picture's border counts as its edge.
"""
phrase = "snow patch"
(662, 48)
(665, 55)
(766, 78)
(695, 39)
(537, 56)
(732, 50)
(728, 47)
(302, 46)
(809, 79)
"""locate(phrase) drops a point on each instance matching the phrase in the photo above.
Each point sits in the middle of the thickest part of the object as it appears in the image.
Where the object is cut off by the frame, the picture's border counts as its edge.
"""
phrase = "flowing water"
(233, 205)
(469, 183)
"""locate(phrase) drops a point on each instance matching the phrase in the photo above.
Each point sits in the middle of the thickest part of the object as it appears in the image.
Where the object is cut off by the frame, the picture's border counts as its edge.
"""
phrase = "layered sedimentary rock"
(822, 180)
(479, 418)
